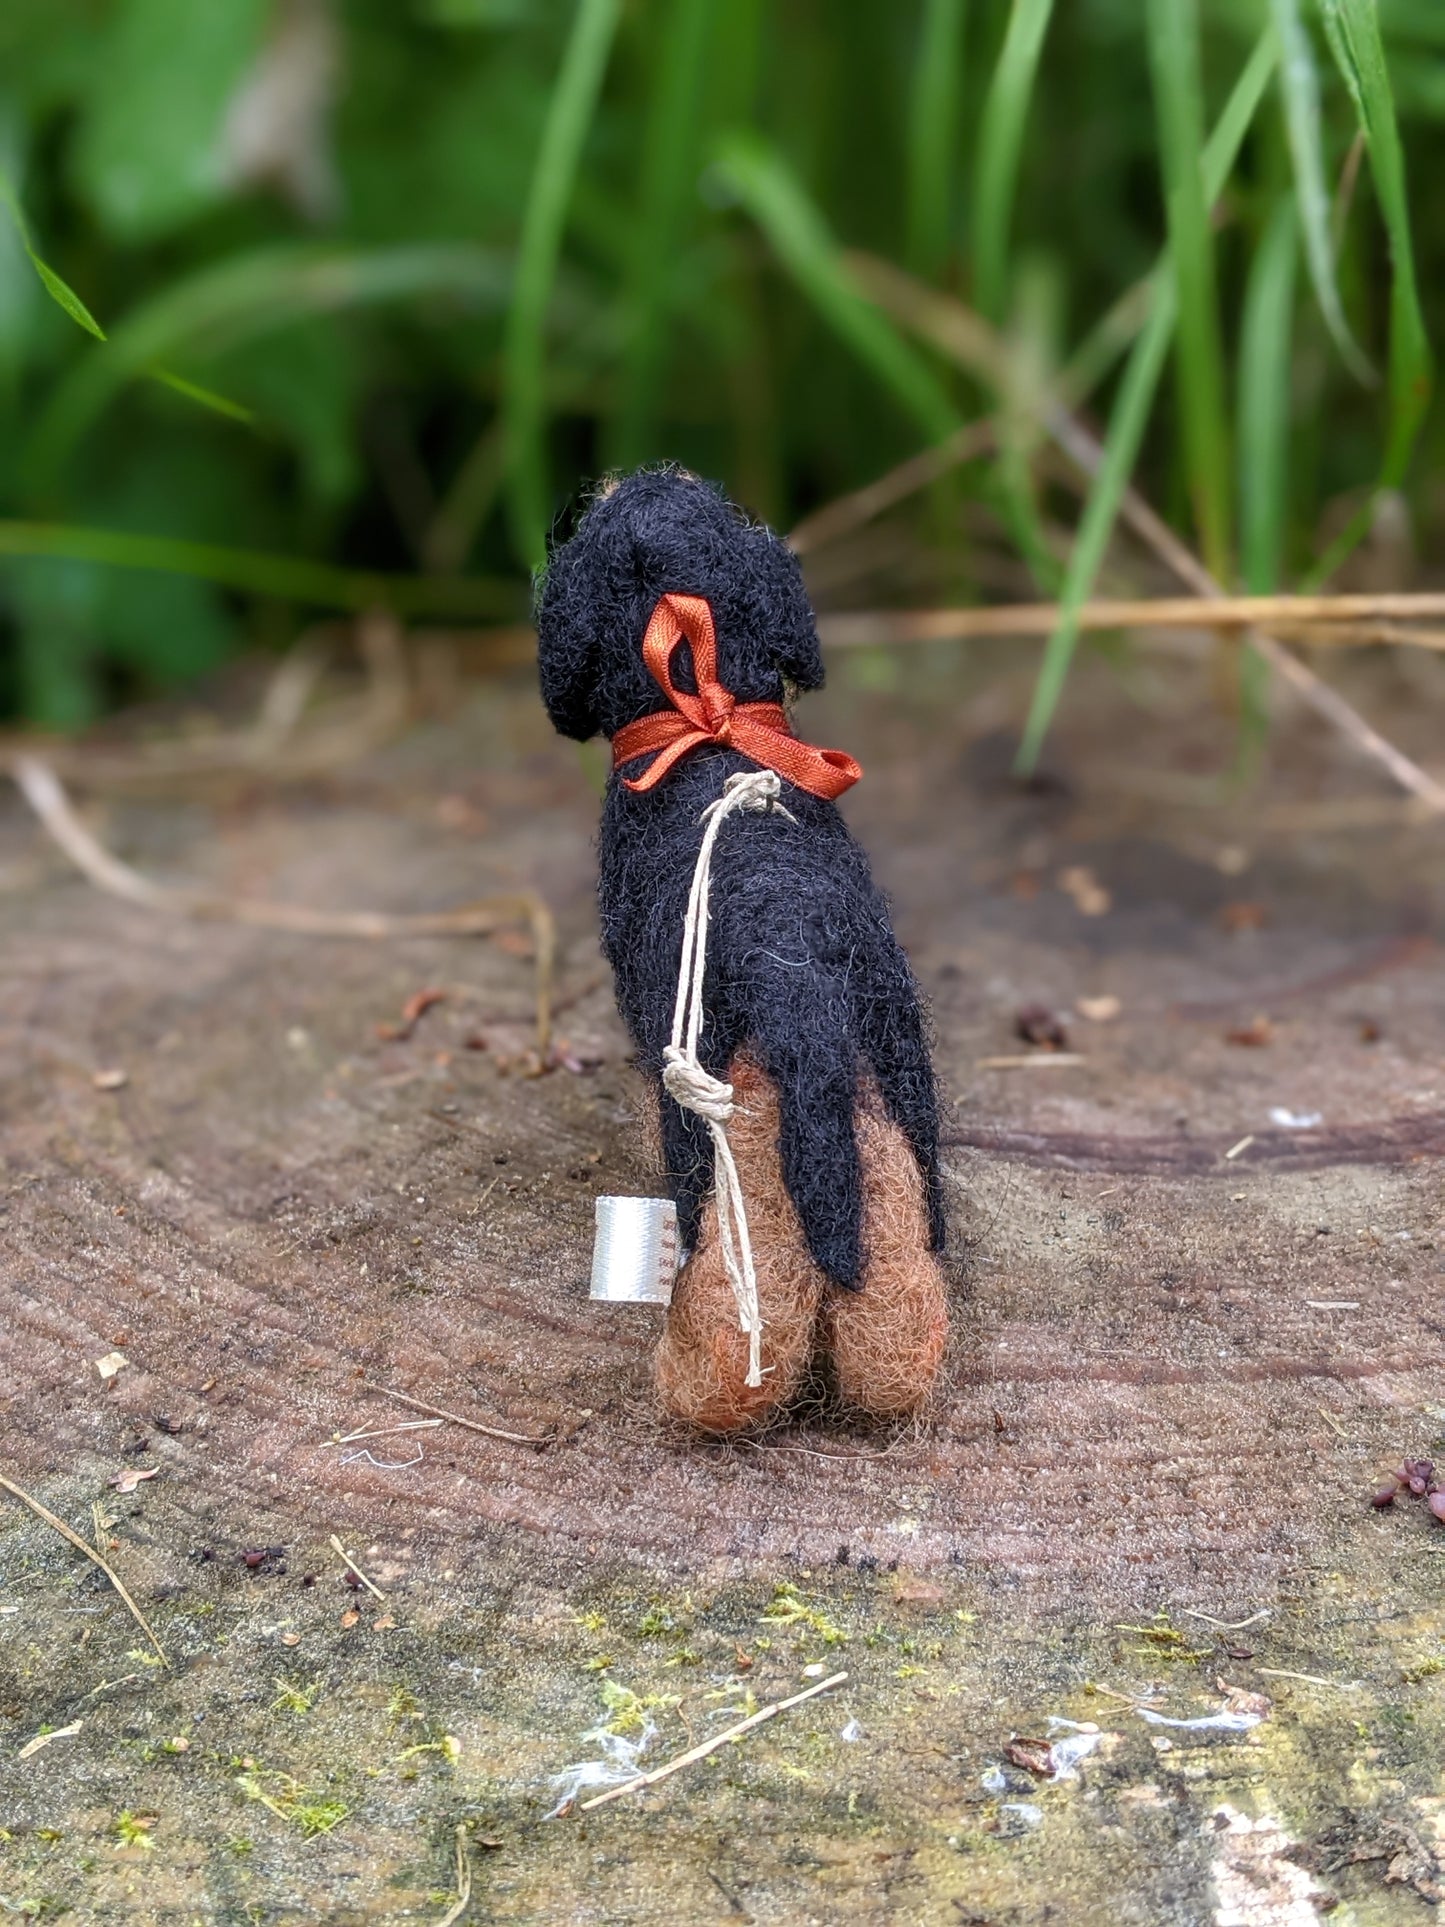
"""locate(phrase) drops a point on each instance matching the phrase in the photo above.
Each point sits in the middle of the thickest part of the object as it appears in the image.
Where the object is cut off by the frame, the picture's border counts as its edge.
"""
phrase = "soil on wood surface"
(1198, 1255)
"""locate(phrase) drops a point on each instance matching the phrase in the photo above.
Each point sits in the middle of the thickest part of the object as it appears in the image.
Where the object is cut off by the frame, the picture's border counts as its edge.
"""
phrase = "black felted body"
(803, 967)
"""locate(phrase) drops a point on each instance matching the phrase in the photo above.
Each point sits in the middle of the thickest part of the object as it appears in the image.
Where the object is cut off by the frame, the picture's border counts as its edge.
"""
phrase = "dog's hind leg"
(887, 1340)
(895, 1044)
(702, 1363)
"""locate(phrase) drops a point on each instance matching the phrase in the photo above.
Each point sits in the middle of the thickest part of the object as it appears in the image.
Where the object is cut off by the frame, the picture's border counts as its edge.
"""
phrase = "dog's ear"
(791, 628)
(567, 644)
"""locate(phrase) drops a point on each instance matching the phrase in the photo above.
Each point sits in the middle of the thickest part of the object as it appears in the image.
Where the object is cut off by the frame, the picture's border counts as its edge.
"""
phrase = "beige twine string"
(684, 1078)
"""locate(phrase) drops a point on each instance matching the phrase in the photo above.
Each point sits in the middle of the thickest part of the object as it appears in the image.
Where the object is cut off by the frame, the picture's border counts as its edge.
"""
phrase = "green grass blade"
(1266, 338)
(666, 182)
(252, 571)
(60, 292)
(1127, 422)
(1264, 401)
(524, 403)
(1300, 88)
(204, 397)
(247, 295)
(759, 179)
(1353, 27)
(1130, 415)
(933, 135)
(1000, 142)
(64, 296)
(1173, 32)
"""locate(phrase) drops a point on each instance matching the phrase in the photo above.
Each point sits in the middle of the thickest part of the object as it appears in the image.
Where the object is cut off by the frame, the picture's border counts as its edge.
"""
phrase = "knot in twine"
(684, 1077)
(759, 731)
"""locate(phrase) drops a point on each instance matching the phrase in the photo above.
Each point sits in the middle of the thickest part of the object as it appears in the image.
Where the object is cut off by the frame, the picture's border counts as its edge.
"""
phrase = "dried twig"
(849, 512)
(45, 794)
(471, 1424)
(371, 1587)
(44, 1512)
(464, 1883)
(710, 1746)
(1226, 1625)
(1318, 619)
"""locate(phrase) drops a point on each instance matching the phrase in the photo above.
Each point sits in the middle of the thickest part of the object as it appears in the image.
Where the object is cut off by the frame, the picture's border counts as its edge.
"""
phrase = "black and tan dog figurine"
(675, 627)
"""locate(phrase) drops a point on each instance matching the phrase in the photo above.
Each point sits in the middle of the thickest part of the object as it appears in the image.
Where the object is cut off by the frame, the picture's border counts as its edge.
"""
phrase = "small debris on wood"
(42, 1740)
(1417, 1478)
(412, 1012)
(1239, 1699)
(578, 1062)
(1037, 1024)
(128, 1480)
(1370, 1032)
(1098, 1010)
(1257, 1034)
(1228, 1720)
(112, 1363)
(111, 1080)
(1034, 1756)
(1090, 897)
(1058, 1060)
(910, 1589)
(1235, 917)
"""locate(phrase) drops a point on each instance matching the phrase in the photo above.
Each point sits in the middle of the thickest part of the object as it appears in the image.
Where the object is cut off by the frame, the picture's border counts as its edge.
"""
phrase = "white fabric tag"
(635, 1254)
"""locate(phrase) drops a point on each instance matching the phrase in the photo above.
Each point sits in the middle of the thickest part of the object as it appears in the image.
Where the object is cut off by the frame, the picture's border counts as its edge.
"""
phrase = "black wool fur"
(803, 966)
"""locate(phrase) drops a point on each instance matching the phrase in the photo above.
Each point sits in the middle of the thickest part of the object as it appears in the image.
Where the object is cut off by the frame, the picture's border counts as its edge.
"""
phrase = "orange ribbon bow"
(759, 731)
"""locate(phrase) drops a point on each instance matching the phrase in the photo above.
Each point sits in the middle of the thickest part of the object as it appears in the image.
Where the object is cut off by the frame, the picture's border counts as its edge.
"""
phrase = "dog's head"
(663, 530)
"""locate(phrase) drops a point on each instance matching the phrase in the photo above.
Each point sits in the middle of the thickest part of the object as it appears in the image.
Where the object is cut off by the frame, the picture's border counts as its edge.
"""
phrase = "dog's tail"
(886, 1338)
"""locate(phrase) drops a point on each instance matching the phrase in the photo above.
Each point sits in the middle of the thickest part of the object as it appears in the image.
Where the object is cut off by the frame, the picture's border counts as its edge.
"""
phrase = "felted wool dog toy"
(773, 1010)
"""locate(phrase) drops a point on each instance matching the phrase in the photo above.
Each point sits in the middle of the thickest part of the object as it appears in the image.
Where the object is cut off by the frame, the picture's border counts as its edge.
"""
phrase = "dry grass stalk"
(59, 1525)
(43, 791)
(1350, 619)
(711, 1746)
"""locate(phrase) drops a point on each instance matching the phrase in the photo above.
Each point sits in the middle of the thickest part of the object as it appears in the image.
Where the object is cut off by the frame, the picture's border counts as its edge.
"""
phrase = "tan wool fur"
(887, 1340)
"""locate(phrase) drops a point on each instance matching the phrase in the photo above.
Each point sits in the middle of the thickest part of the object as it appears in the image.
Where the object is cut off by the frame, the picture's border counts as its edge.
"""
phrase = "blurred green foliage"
(382, 282)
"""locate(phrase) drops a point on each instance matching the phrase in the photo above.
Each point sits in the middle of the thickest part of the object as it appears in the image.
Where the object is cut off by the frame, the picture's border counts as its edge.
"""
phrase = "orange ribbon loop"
(759, 731)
